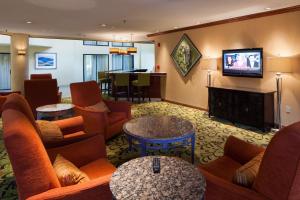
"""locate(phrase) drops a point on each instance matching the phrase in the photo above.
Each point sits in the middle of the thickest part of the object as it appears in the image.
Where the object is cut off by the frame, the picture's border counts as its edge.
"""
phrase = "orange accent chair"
(41, 92)
(32, 163)
(45, 77)
(279, 173)
(40, 76)
(109, 124)
(2, 100)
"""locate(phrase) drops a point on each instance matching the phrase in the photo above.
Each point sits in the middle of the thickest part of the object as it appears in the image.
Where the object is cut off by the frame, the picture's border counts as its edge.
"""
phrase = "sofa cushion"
(67, 172)
(246, 174)
(49, 132)
(98, 107)
(114, 117)
(99, 168)
(224, 167)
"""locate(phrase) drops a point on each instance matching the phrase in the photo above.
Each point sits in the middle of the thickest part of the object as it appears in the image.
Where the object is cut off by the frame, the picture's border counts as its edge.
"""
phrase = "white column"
(19, 63)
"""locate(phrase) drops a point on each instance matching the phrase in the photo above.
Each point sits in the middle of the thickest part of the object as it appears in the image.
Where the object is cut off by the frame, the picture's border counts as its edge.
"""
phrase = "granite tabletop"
(55, 107)
(158, 127)
(177, 180)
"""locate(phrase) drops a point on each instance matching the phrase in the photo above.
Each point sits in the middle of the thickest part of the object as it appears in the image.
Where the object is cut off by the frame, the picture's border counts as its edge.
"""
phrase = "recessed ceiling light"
(103, 25)
(28, 22)
(267, 8)
(175, 27)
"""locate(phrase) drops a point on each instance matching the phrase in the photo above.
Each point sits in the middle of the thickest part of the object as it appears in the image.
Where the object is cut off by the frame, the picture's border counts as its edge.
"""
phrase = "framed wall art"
(185, 55)
(45, 60)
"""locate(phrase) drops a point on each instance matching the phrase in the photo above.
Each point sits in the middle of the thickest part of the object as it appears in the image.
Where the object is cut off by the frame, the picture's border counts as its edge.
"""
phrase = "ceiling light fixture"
(267, 8)
(175, 27)
(103, 25)
(28, 22)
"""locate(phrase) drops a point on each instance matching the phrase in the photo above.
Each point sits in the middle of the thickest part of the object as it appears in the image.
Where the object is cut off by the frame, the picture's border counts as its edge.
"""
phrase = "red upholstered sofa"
(31, 162)
(109, 124)
(279, 173)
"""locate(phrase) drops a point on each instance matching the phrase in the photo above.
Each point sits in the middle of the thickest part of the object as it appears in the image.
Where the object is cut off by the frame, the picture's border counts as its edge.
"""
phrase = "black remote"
(156, 165)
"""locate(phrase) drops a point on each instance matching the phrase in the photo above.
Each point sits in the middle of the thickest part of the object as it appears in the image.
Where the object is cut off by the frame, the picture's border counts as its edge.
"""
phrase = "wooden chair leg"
(127, 93)
(149, 93)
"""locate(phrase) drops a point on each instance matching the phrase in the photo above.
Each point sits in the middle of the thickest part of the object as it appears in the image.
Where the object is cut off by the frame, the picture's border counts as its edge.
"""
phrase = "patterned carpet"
(211, 135)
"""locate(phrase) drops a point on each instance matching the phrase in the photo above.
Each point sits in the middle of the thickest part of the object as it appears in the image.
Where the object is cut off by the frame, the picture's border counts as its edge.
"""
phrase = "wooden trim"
(231, 20)
(183, 104)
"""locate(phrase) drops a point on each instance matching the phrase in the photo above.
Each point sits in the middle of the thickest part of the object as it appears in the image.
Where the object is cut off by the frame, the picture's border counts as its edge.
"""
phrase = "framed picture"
(45, 60)
(185, 55)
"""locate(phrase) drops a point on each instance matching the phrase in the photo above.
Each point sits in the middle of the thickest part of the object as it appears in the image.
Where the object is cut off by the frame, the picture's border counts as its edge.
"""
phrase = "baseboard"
(183, 104)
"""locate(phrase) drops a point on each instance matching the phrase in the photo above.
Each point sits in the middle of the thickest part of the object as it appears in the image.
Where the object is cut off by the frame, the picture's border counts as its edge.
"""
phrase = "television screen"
(243, 62)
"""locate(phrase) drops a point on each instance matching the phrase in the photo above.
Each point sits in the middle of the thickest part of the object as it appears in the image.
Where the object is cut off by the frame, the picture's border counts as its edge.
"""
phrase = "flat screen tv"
(243, 62)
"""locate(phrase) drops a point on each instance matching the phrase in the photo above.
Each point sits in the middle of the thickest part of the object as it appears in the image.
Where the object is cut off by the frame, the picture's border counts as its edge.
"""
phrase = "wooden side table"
(55, 111)
(178, 179)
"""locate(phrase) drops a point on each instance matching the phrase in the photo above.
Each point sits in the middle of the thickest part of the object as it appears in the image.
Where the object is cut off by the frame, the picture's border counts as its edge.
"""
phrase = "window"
(122, 62)
(122, 44)
(5, 71)
(94, 63)
(95, 43)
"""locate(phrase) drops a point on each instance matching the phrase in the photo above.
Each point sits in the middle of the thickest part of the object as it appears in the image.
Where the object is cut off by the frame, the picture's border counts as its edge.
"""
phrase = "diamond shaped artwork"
(185, 55)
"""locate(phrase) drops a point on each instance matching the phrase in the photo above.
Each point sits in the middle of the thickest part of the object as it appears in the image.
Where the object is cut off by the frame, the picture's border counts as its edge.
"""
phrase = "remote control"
(156, 165)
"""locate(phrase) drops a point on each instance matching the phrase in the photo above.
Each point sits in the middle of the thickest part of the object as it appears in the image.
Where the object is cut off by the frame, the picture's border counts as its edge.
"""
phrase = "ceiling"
(123, 18)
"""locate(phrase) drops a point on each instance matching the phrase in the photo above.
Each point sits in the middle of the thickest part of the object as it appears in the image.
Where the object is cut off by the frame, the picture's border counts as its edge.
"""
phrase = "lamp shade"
(123, 51)
(132, 50)
(209, 64)
(280, 64)
(113, 50)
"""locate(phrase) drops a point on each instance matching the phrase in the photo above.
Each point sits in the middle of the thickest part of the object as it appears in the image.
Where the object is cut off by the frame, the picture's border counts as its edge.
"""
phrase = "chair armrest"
(97, 189)
(119, 106)
(70, 125)
(94, 122)
(2, 101)
(240, 150)
(218, 188)
(82, 152)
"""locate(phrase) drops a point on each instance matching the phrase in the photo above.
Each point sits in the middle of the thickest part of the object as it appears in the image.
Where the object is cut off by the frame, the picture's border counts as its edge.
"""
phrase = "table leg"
(193, 148)
(130, 142)
(144, 148)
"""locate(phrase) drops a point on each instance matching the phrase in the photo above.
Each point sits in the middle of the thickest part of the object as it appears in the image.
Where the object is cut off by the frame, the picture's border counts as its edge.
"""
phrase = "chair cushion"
(98, 107)
(246, 174)
(114, 117)
(99, 168)
(49, 132)
(224, 167)
(67, 172)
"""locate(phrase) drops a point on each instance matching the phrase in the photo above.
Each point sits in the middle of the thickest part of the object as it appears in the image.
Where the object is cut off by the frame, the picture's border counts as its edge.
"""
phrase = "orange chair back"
(31, 165)
(279, 173)
(40, 76)
(85, 93)
(40, 92)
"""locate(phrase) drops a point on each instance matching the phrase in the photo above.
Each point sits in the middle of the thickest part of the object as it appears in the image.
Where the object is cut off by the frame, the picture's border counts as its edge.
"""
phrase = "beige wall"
(278, 35)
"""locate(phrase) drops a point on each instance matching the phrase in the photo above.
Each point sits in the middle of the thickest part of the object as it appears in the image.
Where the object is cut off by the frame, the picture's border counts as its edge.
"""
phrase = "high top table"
(160, 133)
(178, 179)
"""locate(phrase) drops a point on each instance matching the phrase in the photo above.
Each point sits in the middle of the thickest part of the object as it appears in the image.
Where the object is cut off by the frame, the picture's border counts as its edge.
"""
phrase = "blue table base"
(163, 144)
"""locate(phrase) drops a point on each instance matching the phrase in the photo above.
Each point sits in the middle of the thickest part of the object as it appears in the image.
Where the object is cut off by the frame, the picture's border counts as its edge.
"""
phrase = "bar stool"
(103, 77)
(121, 80)
(142, 83)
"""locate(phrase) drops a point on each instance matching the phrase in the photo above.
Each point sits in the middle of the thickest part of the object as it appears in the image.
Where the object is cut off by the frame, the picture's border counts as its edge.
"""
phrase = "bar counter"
(156, 80)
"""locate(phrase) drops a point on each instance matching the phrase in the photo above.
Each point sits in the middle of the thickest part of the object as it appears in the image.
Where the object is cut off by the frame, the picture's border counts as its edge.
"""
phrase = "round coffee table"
(160, 132)
(178, 179)
(55, 110)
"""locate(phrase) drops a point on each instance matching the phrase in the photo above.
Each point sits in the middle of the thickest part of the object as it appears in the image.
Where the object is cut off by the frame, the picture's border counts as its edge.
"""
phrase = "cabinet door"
(249, 109)
(220, 103)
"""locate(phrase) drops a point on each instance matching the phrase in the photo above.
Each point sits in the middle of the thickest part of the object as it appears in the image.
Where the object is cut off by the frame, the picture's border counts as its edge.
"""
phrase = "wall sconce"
(21, 52)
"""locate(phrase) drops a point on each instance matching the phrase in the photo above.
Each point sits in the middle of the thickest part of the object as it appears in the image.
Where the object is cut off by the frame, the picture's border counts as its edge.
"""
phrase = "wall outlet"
(288, 109)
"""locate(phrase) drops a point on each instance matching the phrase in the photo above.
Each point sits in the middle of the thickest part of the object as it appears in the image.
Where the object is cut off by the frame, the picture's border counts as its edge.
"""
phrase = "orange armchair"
(2, 100)
(31, 162)
(45, 77)
(109, 124)
(278, 176)
(41, 92)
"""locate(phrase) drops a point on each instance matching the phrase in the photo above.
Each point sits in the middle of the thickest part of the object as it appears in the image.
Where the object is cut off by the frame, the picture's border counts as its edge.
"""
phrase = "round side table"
(55, 110)
(178, 179)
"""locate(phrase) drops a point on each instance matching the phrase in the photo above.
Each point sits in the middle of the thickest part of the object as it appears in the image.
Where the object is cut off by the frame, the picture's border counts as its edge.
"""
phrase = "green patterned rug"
(211, 135)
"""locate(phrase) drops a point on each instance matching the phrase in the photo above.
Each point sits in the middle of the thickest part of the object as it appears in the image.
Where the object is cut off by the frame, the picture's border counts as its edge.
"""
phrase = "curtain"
(5, 72)
(94, 64)
(128, 62)
(117, 62)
